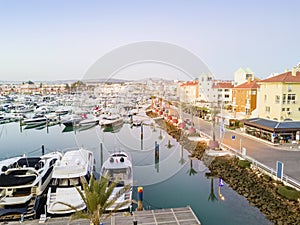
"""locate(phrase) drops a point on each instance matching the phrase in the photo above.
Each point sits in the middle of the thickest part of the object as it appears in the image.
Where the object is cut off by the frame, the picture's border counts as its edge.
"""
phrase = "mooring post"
(156, 158)
(21, 126)
(101, 153)
(140, 198)
(156, 150)
(142, 132)
(43, 149)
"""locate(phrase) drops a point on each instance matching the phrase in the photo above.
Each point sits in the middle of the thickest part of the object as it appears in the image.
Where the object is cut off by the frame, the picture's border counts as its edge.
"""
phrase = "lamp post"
(241, 140)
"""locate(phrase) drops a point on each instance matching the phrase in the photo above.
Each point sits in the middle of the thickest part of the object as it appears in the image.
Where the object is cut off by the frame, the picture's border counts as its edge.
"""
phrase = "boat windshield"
(64, 182)
(121, 173)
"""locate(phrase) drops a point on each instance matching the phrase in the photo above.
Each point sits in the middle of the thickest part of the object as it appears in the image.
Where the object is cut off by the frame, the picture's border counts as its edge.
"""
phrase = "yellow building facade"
(280, 97)
(244, 97)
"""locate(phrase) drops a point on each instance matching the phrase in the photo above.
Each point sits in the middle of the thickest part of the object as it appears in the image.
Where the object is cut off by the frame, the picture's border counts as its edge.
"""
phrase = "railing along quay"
(285, 179)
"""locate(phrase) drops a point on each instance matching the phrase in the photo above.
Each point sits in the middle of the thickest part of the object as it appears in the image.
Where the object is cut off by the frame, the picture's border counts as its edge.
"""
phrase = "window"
(253, 93)
(277, 99)
(226, 96)
(287, 109)
(247, 111)
(267, 109)
(248, 75)
(265, 97)
(289, 88)
(283, 109)
(226, 90)
(291, 98)
(283, 98)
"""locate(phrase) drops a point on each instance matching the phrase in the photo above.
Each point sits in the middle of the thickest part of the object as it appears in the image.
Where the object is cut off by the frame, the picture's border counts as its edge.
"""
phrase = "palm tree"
(97, 196)
(193, 109)
(214, 113)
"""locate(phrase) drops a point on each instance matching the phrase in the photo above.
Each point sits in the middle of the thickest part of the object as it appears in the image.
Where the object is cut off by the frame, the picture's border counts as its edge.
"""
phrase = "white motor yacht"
(23, 181)
(72, 120)
(36, 120)
(111, 121)
(119, 166)
(74, 166)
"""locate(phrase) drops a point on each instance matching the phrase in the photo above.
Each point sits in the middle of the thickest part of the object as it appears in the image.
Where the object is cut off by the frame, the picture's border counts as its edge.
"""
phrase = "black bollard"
(43, 150)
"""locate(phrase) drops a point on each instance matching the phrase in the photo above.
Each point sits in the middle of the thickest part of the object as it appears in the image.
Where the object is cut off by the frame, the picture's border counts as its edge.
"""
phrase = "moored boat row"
(25, 181)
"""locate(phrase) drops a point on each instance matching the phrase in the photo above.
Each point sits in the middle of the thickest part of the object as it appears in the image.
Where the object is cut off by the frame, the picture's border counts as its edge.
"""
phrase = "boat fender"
(111, 160)
(36, 166)
(4, 168)
(121, 159)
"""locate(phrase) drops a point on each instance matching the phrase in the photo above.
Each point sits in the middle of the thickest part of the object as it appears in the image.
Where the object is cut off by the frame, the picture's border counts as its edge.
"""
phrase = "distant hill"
(100, 80)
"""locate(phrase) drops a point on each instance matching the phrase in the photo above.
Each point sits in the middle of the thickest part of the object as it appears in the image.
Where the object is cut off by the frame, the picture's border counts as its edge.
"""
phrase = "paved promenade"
(262, 151)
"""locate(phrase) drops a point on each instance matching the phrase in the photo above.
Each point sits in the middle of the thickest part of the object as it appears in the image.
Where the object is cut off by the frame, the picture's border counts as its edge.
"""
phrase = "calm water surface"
(173, 181)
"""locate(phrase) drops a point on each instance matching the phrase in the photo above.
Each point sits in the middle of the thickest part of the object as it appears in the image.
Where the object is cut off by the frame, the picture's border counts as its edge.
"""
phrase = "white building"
(188, 91)
(224, 90)
(241, 76)
(206, 92)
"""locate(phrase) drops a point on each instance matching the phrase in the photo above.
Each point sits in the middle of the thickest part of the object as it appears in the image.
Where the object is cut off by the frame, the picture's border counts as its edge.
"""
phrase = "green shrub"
(244, 164)
(267, 177)
(288, 192)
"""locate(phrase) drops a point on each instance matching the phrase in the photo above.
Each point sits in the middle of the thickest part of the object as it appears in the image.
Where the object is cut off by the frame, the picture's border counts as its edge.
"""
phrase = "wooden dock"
(171, 216)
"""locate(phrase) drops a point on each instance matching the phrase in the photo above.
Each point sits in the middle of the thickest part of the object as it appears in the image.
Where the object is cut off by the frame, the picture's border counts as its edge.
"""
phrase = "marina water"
(173, 180)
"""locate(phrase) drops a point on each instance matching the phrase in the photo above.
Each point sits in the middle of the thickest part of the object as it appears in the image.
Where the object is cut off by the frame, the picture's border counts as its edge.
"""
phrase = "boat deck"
(171, 216)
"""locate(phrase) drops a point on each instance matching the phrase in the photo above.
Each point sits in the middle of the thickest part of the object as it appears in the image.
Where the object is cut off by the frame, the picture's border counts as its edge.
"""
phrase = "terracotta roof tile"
(223, 85)
(284, 77)
(247, 85)
(189, 83)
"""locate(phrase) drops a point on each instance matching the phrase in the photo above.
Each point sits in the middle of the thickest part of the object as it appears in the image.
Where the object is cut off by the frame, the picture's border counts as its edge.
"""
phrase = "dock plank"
(172, 216)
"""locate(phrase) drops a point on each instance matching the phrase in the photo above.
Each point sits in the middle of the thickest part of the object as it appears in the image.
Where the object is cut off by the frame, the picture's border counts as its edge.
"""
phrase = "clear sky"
(61, 39)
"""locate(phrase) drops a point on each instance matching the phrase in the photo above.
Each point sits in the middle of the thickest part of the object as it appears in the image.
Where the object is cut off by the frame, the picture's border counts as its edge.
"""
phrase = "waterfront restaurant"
(273, 131)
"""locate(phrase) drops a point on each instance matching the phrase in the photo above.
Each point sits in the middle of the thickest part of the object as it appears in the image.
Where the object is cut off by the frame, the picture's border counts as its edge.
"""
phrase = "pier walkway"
(171, 216)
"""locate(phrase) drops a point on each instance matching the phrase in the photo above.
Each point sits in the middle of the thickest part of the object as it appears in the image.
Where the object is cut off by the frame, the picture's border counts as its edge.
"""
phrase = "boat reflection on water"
(38, 126)
(78, 128)
(113, 129)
